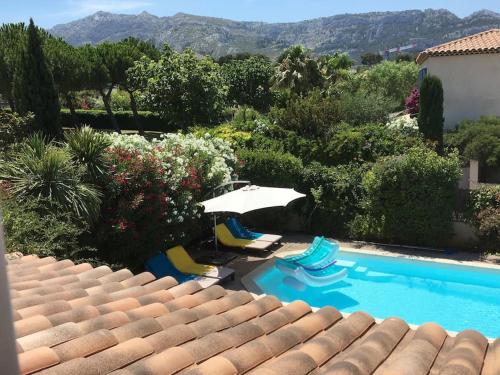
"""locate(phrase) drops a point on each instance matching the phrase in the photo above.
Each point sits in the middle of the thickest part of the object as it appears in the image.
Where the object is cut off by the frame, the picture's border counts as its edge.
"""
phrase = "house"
(470, 71)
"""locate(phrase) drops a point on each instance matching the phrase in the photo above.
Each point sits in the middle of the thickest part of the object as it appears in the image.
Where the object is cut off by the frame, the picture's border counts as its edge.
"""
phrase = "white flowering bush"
(405, 124)
(152, 190)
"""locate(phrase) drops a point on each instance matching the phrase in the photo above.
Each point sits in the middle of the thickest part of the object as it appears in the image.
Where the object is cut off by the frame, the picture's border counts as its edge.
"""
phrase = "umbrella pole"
(215, 235)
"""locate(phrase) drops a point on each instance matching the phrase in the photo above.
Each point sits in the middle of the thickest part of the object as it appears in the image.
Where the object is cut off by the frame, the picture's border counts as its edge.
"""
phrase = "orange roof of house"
(482, 43)
(75, 319)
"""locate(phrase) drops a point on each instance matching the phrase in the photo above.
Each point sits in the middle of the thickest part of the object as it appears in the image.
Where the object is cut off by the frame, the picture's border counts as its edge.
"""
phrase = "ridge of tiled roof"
(75, 319)
(481, 43)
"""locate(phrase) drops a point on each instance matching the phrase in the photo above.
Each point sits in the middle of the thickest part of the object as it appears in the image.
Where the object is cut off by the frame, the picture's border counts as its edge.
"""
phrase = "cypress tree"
(430, 119)
(35, 87)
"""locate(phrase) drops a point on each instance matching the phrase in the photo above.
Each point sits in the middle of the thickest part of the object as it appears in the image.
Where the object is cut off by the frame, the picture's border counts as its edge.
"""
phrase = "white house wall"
(471, 85)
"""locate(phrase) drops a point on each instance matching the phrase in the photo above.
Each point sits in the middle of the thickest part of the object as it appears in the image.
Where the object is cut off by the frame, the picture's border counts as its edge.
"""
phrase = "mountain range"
(353, 33)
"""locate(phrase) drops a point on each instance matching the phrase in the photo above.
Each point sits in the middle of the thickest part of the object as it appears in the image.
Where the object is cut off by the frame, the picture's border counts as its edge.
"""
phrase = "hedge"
(410, 198)
(98, 119)
(270, 168)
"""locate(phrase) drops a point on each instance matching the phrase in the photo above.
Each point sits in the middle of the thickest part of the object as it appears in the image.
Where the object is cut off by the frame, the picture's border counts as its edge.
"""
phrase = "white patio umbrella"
(251, 198)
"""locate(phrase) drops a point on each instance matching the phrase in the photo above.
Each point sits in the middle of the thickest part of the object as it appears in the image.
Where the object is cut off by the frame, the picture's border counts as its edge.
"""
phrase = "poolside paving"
(75, 319)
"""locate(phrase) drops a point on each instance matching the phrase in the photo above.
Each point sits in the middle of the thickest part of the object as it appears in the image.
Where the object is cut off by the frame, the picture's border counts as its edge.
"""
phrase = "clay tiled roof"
(485, 42)
(75, 319)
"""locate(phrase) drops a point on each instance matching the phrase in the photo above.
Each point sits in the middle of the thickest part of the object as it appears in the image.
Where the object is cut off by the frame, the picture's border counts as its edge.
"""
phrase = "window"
(421, 75)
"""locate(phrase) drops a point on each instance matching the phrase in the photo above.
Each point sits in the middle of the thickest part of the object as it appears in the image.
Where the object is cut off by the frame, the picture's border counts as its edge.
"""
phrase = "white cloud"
(85, 7)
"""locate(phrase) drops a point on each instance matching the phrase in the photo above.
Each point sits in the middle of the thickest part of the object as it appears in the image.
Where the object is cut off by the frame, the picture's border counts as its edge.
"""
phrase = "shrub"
(430, 118)
(184, 89)
(87, 148)
(43, 228)
(392, 79)
(412, 103)
(14, 128)
(227, 132)
(361, 107)
(269, 168)
(120, 100)
(39, 170)
(484, 206)
(151, 191)
(98, 119)
(310, 117)
(479, 140)
(410, 198)
(334, 194)
(365, 143)
(248, 81)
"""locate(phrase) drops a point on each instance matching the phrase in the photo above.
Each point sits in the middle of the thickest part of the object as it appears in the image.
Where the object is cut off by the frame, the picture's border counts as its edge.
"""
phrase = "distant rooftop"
(482, 43)
(79, 320)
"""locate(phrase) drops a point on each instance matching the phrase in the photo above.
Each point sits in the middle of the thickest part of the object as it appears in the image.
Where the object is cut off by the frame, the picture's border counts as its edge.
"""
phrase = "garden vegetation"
(363, 143)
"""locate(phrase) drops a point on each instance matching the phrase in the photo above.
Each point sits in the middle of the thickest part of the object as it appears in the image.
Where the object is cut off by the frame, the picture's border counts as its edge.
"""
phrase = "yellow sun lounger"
(225, 237)
(181, 260)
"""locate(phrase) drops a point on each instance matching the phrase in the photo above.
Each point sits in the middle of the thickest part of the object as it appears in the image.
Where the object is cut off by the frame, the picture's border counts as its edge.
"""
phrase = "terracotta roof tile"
(492, 360)
(48, 308)
(177, 317)
(484, 42)
(110, 287)
(152, 310)
(138, 280)
(118, 356)
(170, 361)
(71, 319)
(34, 324)
(106, 321)
(37, 359)
(170, 337)
(139, 328)
(50, 337)
(95, 273)
(85, 345)
(214, 366)
(162, 296)
(117, 276)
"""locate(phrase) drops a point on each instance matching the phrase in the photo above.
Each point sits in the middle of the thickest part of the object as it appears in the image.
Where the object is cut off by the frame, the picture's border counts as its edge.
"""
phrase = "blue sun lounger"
(239, 231)
(160, 266)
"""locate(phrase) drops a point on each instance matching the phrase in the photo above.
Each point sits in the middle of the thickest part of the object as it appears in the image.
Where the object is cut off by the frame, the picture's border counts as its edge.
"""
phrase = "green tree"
(34, 86)
(248, 81)
(391, 79)
(70, 70)
(430, 118)
(43, 170)
(181, 87)
(101, 59)
(129, 51)
(333, 66)
(12, 43)
(370, 58)
(297, 70)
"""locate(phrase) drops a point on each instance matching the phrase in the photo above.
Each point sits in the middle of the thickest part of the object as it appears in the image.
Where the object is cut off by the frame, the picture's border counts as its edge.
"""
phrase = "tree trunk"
(133, 106)
(71, 106)
(12, 105)
(106, 98)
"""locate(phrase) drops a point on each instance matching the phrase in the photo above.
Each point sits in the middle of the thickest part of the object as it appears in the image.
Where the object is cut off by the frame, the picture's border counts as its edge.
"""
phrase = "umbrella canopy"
(251, 198)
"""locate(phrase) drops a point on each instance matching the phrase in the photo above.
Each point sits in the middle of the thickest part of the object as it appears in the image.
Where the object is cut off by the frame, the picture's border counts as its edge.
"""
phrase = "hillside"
(355, 33)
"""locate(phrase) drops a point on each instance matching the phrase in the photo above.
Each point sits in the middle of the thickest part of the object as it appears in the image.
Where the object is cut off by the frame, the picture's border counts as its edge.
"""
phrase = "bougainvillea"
(152, 190)
(412, 102)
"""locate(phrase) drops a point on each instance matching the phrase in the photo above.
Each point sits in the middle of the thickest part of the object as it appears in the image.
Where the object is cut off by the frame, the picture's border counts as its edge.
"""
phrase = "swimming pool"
(455, 296)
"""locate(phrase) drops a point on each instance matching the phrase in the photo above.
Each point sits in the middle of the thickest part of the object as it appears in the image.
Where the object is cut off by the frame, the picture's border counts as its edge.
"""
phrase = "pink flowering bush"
(412, 102)
(152, 190)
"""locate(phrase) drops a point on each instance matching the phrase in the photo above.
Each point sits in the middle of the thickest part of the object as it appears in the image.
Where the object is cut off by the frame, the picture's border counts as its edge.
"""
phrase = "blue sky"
(50, 12)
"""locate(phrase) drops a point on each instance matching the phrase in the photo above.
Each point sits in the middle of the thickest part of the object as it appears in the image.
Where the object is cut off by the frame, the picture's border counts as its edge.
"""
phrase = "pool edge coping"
(256, 291)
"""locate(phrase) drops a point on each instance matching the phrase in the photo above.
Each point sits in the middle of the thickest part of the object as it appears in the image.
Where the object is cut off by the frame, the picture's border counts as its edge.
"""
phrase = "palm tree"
(43, 170)
(297, 71)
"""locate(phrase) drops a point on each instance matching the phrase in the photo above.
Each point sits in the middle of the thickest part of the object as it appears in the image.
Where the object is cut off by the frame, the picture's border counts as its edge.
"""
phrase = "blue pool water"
(454, 296)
